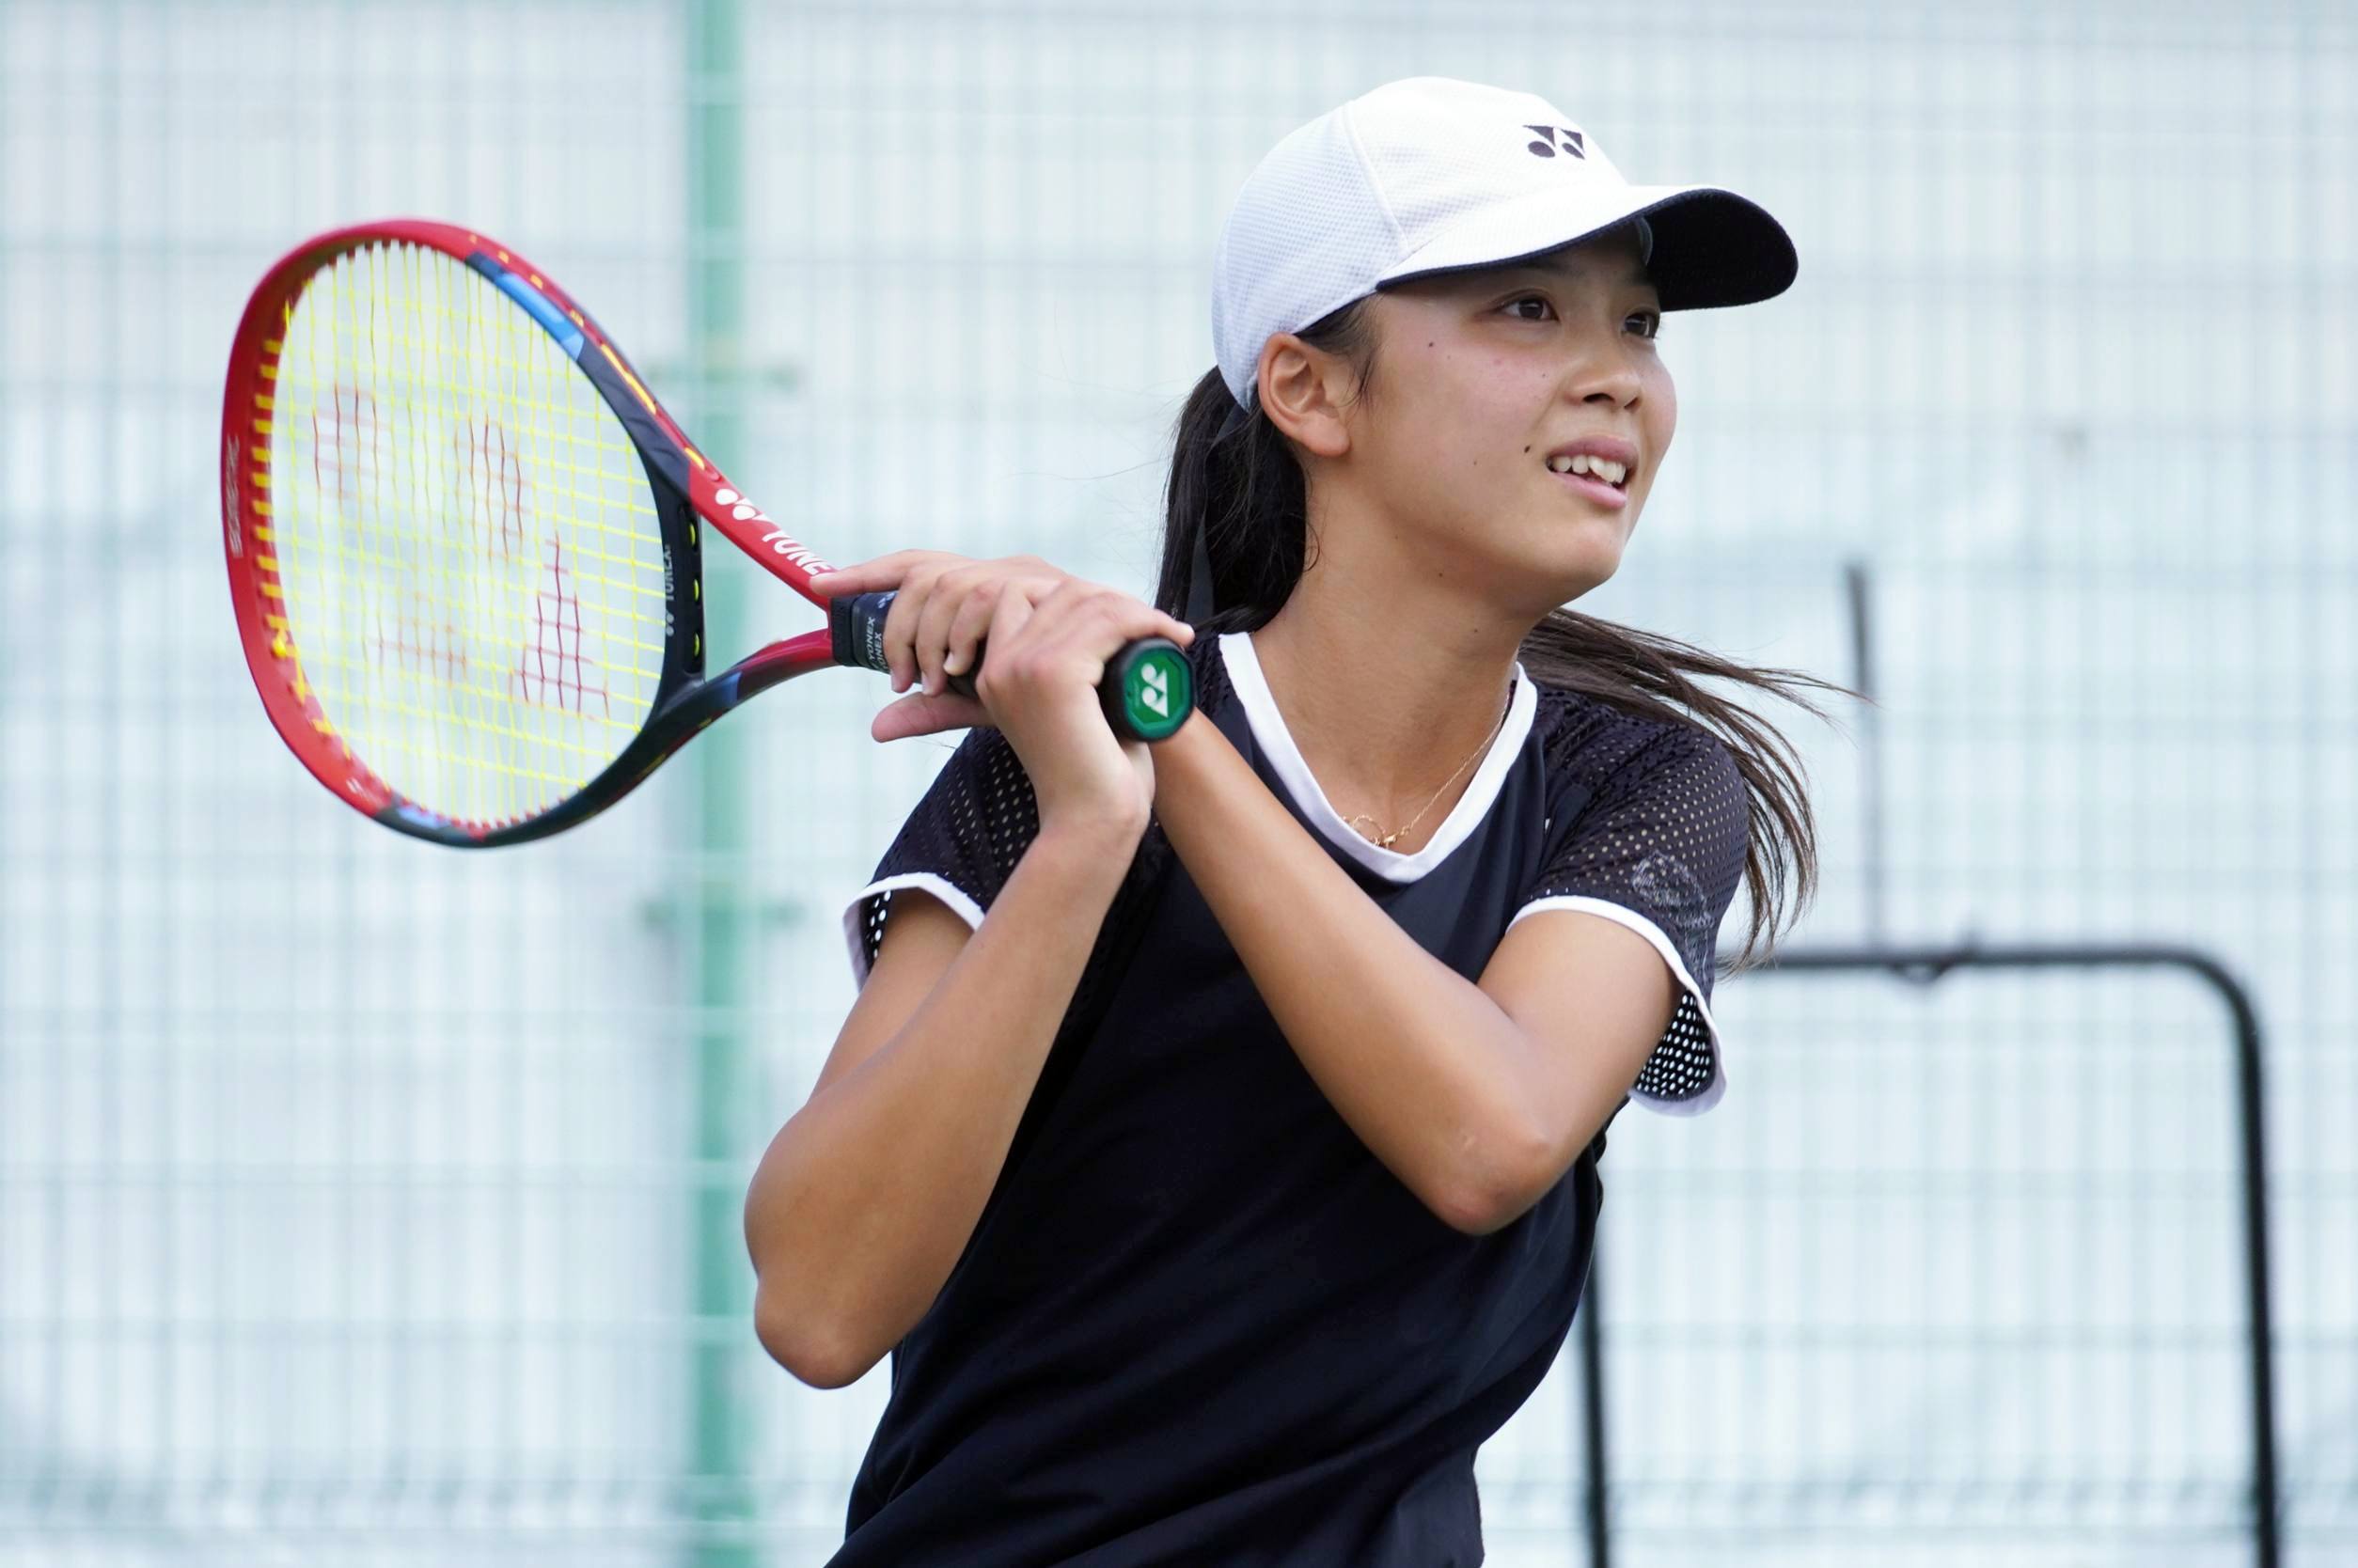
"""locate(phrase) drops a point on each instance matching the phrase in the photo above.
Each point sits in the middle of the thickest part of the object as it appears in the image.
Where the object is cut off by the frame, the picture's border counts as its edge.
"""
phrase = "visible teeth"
(1582, 462)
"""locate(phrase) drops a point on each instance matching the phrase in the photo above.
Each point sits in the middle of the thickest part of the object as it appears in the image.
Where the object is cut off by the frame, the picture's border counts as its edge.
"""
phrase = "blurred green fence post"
(723, 1506)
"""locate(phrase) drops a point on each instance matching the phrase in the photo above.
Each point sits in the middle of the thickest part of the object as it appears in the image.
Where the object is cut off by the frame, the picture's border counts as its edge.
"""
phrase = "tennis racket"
(463, 543)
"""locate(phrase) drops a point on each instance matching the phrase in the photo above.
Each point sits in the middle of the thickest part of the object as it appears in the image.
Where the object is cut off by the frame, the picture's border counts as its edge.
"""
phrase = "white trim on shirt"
(1621, 915)
(960, 905)
(1277, 744)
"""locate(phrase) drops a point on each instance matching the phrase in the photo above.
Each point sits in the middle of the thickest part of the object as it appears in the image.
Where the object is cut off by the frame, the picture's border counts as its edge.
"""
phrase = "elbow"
(791, 1330)
(796, 1342)
(1480, 1213)
(1496, 1184)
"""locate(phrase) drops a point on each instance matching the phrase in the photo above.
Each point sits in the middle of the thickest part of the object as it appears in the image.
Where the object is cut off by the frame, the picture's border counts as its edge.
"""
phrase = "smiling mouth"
(1596, 492)
(1597, 468)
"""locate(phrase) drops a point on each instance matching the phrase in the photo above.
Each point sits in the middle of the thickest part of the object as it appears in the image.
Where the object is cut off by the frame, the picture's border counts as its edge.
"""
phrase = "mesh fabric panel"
(1663, 837)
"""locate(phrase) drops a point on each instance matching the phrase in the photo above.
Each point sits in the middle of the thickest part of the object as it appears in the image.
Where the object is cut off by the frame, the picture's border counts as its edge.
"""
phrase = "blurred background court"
(363, 1203)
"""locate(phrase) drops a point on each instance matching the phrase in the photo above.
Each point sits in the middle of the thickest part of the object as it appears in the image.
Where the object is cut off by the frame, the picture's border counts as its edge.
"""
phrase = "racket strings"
(472, 572)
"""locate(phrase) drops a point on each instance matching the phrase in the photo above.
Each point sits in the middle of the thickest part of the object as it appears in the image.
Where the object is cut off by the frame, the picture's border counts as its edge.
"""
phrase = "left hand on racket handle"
(1147, 692)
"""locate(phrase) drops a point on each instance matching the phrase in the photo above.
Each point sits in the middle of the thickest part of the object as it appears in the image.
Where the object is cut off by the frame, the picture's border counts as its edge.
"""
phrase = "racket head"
(461, 539)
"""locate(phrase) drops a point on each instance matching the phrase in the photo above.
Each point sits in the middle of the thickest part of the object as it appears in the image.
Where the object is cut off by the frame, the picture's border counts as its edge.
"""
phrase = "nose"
(1602, 368)
(1605, 374)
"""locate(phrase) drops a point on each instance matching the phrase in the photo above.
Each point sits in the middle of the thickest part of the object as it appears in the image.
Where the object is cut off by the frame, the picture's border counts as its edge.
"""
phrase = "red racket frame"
(684, 703)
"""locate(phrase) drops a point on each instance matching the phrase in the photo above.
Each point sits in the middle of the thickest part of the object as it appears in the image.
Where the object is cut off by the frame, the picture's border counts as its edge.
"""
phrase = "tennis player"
(1214, 1141)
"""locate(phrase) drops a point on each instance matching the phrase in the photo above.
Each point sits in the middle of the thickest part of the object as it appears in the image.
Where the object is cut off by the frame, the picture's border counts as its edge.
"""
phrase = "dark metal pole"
(1859, 598)
(1593, 1413)
(1925, 965)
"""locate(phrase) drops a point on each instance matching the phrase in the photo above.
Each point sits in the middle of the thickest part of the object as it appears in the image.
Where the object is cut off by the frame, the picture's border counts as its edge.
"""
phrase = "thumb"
(919, 714)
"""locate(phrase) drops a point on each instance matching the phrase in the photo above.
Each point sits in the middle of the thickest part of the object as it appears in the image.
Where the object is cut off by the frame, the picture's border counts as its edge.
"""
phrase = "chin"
(1542, 586)
(1584, 558)
(1547, 561)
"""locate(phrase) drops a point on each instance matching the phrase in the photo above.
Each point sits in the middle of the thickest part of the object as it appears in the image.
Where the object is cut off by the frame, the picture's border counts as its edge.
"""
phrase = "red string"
(557, 616)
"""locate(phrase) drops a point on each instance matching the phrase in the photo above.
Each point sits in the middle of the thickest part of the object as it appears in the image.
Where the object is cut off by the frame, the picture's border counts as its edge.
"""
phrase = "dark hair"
(1237, 486)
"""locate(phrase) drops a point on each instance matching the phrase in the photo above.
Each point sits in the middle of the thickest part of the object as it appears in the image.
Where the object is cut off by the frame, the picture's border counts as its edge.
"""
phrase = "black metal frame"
(1923, 966)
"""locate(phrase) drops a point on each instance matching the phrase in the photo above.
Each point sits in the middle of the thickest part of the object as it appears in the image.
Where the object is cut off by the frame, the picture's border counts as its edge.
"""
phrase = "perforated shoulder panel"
(1660, 846)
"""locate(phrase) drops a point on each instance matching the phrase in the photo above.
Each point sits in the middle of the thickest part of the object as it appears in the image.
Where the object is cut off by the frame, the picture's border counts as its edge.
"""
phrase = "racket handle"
(1147, 694)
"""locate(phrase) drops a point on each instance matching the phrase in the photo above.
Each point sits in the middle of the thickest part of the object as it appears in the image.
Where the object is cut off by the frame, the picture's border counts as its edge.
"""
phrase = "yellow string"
(451, 498)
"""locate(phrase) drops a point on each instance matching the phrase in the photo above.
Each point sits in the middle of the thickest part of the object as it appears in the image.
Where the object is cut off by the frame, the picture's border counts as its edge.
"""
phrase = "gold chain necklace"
(1388, 839)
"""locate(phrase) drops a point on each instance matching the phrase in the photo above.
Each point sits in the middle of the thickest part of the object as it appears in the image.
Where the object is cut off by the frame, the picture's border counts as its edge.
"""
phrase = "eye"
(1539, 300)
(1649, 323)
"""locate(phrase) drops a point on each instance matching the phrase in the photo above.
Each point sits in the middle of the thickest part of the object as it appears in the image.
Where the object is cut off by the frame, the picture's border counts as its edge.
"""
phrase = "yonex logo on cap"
(1553, 136)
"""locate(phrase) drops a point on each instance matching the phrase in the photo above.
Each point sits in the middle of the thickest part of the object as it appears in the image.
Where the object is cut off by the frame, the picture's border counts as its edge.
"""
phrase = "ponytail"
(1236, 503)
(1237, 497)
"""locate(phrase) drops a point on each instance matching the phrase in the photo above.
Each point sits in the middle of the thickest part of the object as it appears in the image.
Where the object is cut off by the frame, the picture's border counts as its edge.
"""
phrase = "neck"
(1429, 667)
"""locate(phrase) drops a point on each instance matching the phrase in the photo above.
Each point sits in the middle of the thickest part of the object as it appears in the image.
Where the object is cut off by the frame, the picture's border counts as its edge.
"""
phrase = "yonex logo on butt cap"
(1157, 691)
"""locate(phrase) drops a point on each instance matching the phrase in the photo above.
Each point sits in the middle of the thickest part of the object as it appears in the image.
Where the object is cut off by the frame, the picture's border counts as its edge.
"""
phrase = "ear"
(1305, 392)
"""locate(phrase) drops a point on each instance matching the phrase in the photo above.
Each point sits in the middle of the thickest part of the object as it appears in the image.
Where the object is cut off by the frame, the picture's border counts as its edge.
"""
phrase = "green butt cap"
(1156, 689)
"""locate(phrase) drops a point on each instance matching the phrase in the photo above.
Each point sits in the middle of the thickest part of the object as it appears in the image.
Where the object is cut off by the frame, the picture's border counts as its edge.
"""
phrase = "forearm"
(868, 1195)
(1421, 1062)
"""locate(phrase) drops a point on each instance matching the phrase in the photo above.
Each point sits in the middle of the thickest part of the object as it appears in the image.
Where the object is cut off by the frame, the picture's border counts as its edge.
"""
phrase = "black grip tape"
(855, 629)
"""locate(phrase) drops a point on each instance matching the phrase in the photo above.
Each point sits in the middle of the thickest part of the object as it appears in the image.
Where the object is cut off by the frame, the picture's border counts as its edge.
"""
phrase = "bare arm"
(868, 1195)
(1477, 1096)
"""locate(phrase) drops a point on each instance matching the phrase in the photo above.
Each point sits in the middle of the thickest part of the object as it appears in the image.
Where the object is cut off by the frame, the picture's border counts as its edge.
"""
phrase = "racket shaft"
(1147, 692)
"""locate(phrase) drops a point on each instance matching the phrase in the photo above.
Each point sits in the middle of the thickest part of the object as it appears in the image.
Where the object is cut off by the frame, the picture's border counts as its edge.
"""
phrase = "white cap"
(1431, 175)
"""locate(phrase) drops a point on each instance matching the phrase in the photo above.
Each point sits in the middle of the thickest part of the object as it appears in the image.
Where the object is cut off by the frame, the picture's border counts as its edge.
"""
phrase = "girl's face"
(1480, 378)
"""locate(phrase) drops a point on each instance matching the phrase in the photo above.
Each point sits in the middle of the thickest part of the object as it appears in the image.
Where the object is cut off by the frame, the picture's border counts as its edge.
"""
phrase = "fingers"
(931, 588)
(945, 607)
(918, 580)
(909, 571)
(900, 623)
(968, 593)
(970, 625)
(919, 714)
(1069, 635)
(869, 576)
(890, 572)
(1089, 610)
(1008, 617)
